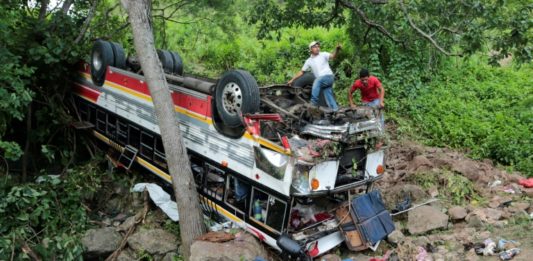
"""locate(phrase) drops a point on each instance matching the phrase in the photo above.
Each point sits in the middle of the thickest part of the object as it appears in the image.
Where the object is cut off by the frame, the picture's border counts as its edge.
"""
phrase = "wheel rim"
(97, 60)
(232, 98)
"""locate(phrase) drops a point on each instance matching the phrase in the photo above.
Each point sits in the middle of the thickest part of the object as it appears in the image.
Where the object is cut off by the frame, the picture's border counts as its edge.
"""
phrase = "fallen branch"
(26, 249)
(87, 22)
(139, 218)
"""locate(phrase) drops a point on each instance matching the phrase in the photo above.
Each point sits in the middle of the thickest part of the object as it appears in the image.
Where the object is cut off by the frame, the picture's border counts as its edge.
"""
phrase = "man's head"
(314, 47)
(363, 75)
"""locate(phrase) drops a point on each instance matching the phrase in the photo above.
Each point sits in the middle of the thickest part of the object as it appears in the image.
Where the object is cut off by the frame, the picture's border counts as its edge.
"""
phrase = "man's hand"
(289, 83)
(381, 104)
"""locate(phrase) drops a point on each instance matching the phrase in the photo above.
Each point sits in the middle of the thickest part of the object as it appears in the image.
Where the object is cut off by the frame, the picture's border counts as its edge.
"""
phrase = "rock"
(244, 247)
(424, 219)
(125, 226)
(433, 192)
(500, 223)
(487, 215)
(527, 191)
(100, 242)
(521, 205)
(474, 221)
(171, 256)
(154, 241)
(395, 237)
(126, 255)
(421, 241)
(420, 163)
(395, 194)
(457, 213)
(330, 257)
(484, 235)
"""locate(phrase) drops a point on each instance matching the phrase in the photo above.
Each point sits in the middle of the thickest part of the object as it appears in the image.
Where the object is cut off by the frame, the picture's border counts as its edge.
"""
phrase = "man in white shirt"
(318, 62)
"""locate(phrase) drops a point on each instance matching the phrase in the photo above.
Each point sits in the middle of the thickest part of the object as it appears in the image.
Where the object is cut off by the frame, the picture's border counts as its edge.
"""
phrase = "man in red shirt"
(372, 92)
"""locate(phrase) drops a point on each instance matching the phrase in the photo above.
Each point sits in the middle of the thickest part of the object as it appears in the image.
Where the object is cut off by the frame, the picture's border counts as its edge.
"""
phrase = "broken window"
(101, 120)
(214, 180)
(271, 162)
(237, 193)
(268, 209)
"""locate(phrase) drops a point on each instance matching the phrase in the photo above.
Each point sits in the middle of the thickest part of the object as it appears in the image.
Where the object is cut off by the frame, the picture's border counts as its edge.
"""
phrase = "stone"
(433, 192)
(527, 191)
(486, 215)
(425, 218)
(420, 163)
(100, 242)
(153, 241)
(395, 237)
(457, 213)
(125, 226)
(244, 247)
(395, 194)
(521, 205)
(171, 256)
(484, 235)
(421, 241)
(126, 255)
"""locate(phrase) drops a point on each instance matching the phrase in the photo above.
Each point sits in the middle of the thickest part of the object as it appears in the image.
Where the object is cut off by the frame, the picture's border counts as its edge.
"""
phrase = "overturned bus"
(297, 177)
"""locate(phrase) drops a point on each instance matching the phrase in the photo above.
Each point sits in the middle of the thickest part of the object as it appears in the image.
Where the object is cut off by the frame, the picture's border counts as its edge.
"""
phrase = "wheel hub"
(232, 98)
(97, 60)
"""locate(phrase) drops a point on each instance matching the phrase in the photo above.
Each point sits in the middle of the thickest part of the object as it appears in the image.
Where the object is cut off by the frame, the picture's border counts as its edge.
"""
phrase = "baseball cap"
(313, 43)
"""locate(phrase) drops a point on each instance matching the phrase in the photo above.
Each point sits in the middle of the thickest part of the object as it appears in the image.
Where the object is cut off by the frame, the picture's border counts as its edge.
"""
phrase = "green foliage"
(487, 110)
(458, 189)
(48, 216)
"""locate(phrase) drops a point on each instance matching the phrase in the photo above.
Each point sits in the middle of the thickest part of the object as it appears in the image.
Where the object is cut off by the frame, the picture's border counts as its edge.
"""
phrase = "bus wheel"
(178, 63)
(102, 56)
(236, 93)
(119, 55)
(166, 60)
(305, 80)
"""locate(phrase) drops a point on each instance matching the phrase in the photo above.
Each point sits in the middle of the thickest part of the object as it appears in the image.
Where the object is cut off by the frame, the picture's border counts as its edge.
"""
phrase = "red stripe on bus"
(191, 103)
(86, 92)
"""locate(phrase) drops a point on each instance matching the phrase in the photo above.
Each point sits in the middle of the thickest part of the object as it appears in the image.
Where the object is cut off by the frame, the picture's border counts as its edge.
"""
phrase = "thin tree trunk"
(26, 145)
(191, 218)
(42, 10)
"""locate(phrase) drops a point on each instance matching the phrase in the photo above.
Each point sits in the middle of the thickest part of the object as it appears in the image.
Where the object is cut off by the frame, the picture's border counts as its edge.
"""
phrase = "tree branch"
(369, 22)
(423, 34)
(42, 10)
(87, 22)
(66, 6)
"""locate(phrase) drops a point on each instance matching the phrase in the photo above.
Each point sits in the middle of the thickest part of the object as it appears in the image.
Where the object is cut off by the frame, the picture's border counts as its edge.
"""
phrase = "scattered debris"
(527, 183)
(509, 254)
(160, 198)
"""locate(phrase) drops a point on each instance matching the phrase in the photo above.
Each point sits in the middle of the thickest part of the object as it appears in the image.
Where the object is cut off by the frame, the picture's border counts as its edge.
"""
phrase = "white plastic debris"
(160, 198)
(495, 183)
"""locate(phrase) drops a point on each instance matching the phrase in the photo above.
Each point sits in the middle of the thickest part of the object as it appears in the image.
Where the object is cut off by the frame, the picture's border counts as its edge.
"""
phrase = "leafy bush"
(48, 217)
(484, 109)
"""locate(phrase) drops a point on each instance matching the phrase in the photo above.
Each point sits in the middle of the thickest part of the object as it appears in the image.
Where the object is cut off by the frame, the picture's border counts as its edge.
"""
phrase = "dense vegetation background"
(452, 89)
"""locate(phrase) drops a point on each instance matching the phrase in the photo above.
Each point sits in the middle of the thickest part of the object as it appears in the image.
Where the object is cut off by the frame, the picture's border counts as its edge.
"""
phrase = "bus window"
(268, 209)
(122, 132)
(83, 110)
(159, 153)
(237, 192)
(111, 125)
(276, 213)
(214, 182)
(92, 114)
(147, 145)
(134, 136)
(101, 120)
(271, 162)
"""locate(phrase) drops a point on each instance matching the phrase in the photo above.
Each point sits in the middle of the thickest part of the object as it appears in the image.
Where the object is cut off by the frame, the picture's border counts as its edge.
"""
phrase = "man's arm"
(300, 73)
(335, 52)
(350, 98)
(381, 91)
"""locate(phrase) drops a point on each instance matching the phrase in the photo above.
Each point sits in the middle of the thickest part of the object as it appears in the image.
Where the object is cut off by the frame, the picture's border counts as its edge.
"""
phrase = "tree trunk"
(191, 218)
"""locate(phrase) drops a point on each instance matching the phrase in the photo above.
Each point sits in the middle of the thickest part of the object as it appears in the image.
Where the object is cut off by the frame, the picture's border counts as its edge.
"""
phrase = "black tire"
(120, 56)
(166, 60)
(178, 63)
(101, 57)
(236, 93)
(305, 80)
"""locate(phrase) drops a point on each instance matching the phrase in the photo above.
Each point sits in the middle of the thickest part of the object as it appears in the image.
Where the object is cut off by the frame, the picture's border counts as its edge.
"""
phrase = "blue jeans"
(375, 104)
(324, 83)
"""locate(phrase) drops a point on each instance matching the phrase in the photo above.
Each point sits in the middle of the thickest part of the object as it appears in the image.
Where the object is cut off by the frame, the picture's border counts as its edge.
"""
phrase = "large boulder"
(425, 218)
(486, 215)
(100, 242)
(154, 241)
(395, 194)
(244, 247)
(419, 163)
